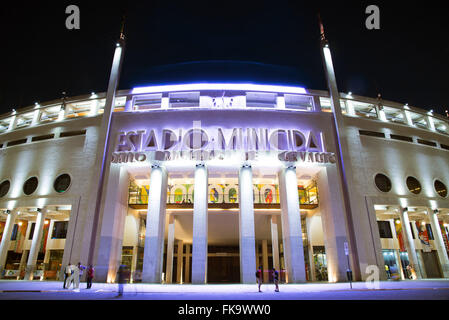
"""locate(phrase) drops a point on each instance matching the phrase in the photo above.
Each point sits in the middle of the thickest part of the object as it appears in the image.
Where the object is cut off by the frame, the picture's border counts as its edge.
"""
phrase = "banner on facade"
(398, 227)
(21, 234)
(445, 236)
(2, 228)
(423, 237)
(44, 236)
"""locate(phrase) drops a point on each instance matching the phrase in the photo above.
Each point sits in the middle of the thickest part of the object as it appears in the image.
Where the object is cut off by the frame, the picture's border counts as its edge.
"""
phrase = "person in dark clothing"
(90, 276)
(259, 276)
(275, 275)
(121, 279)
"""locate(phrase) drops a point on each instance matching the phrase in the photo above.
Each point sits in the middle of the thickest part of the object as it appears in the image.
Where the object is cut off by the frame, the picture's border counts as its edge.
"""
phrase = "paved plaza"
(387, 290)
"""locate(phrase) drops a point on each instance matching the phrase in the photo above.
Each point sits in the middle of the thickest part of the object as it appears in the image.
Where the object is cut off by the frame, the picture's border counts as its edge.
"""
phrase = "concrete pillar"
(111, 222)
(35, 244)
(134, 263)
(23, 262)
(187, 269)
(408, 241)
(154, 236)
(265, 260)
(246, 226)
(310, 250)
(316, 104)
(408, 118)
(179, 259)
(6, 239)
(398, 259)
(275, 242)
(94, 106)
(257, 254)
(199, 241)
(438, 242)
(13, 123)
(291, 225)
(36, 117)
(170, 246)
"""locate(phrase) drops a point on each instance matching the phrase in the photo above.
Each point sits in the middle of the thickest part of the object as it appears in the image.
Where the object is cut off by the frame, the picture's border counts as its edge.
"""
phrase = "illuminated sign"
(197, 143)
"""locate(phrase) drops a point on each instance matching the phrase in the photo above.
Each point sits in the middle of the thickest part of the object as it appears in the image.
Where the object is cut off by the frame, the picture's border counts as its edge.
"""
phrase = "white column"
(438, 242)
(408, 241)
(22, 264)
(199, 241)
(291, 225)
(154, 236)
(179, 260)
(170, 246)
(275, 242)
(94, 106)
(35, 244)
(187, 269)
(408, 118)
(36, 117)
(310, 249)
(246, 226)
(13, 123)
(265, 260)
(134, 263)
(6, 239)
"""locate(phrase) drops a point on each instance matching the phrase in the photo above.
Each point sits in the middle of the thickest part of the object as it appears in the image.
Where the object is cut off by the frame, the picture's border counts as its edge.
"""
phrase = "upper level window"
(419, 120)
(59, 229)
(298, 102)
(441, 126)
(261, 100)
(364, 109)
(385, 229)
(4, 124)
(184, 99)
(440, 188)
(4, 188)
(413, 185)
(394, 115)
(30, 186)
(382, 182)
(50, 114)
(325, 104)
(15, 230)
(147, 102)
(62, 183)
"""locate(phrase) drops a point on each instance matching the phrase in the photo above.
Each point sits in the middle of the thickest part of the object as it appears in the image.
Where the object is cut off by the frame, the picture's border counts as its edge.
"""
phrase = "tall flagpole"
(342, 147)
(104, 135)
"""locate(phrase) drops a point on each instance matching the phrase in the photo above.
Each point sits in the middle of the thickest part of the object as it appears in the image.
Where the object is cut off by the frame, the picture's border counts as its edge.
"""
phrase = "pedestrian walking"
(76, 278)
(90, 275)
(259, 277)
(121, 279)
(81, 270)
(67, 273)
(275, 275)
(71, 278)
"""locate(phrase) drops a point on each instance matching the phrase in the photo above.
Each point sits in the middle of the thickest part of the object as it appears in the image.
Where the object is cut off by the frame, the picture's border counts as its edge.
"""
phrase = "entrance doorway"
(431, 264)
(223, 269)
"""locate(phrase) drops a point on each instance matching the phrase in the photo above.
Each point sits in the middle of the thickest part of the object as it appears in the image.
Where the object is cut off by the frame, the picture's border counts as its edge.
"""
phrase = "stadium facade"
(204, 182)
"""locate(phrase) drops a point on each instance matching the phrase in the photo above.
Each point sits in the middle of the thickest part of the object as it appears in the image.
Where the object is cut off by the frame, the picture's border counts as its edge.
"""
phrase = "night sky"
(271, 42)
